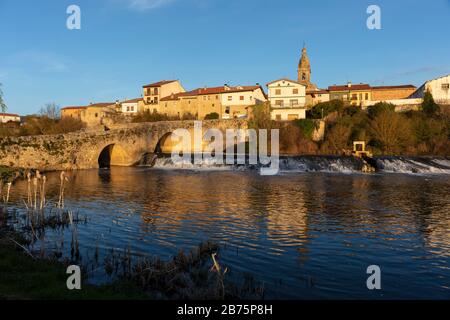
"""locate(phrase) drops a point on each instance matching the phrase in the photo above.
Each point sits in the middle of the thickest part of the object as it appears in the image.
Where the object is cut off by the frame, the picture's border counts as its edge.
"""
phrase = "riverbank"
(24, 277)
(189, 276)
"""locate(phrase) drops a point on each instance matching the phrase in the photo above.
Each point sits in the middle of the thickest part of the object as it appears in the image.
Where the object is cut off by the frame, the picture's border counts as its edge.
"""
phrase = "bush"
(260, 117)
(429, 107)
(152, 117)
(212, 116)
(391, 132)
(380, 107)
(307, 127)
(327, 108)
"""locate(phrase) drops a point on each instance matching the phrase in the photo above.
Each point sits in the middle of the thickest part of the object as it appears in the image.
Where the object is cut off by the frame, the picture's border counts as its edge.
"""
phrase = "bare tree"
(2, 102)
(50, 110)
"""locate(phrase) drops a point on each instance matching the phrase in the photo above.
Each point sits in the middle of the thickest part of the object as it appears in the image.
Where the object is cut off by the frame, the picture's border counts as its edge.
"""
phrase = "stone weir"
(121, 146)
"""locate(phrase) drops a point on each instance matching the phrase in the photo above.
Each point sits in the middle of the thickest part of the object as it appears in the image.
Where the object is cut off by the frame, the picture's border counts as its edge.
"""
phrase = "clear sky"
(124, 44)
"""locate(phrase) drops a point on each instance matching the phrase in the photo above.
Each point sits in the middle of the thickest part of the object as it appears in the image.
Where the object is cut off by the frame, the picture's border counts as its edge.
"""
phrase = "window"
(155, 91)
(149, 101)
(128, 109)
(354, 96)
(294, 102)
(360, 96)
(96, 115)
(367, 96)
(279, 103)
(292, 117)
(445, 86)
(230, 98)
(278, 92)
(303, 76)
(295, 91)
(241, 98)
(278, 117)
(227, 110)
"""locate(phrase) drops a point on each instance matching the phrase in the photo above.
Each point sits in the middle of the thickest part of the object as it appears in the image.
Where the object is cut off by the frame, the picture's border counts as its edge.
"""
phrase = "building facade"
(9, 117)
(314, 97)
(287, 99)
(384, 93)
(354, 94)
(72, 112)
(154, 92)
(439, 88)
(130, 107)
(227, 101)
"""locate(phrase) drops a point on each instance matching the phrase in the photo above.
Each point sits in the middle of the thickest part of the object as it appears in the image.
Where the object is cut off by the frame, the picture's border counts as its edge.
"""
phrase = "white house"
(287, 100)
(130, 107)
(235, 100)
(9, 117)
(439, 88)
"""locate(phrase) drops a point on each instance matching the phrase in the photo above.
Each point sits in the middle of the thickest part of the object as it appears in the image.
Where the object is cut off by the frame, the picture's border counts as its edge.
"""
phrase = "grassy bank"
(196, 275)
(24, 277)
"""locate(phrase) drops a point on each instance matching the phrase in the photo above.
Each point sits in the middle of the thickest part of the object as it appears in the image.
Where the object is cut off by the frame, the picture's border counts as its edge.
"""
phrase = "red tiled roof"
(158, 84)
(132, 100)
(222, 89)
(406, 86)
(101, 104)
(320, 91)
(9, 115)
(73, 108)
(174, 96)
(345, 87)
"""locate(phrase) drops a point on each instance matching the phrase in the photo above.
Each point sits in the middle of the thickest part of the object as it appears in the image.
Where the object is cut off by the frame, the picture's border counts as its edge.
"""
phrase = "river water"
(306, 235)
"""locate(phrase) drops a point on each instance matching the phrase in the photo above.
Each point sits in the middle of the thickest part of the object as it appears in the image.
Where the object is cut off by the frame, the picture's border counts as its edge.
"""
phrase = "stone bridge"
(124, 145)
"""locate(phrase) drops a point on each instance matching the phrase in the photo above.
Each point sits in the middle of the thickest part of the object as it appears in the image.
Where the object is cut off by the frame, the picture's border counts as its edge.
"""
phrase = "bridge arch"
(113, 155)
(164, 144)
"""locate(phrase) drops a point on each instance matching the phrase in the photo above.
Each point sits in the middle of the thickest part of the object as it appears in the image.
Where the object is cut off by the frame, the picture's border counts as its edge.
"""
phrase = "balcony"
(287, 105)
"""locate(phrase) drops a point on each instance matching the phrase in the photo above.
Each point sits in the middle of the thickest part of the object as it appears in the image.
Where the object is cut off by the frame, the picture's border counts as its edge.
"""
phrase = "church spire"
(304, 69)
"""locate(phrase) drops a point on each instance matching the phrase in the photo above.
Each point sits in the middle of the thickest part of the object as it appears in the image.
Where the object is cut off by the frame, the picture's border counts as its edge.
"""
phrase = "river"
(306, 235)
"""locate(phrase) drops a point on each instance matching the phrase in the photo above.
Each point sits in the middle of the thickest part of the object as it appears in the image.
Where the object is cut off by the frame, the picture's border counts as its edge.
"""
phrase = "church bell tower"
(304, 69)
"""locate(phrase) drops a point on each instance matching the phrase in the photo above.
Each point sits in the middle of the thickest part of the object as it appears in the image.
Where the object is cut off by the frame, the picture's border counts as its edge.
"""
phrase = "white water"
(416, 165)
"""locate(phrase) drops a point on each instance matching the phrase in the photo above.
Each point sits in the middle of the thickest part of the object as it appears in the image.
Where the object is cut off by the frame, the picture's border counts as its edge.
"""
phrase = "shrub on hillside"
(391, 132)
(429, 107)
(306, 126)
(326, 108)
(212, 116)
(378, 108)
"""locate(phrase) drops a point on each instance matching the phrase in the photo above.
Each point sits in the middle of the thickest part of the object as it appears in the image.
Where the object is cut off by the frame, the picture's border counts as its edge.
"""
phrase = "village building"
(72, 112)
(129, 107)
(439, 88)
(9, 117)
(287, 99)
(355, 94)
(384, 93)
(228, 102)
(314, 97)
(154, 92)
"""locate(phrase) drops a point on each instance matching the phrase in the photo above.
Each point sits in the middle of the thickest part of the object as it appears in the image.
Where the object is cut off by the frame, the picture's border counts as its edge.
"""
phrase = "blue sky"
(124, 44)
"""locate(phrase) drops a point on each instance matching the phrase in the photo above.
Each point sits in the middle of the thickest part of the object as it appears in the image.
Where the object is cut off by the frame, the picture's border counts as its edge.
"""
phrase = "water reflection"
(305, 235)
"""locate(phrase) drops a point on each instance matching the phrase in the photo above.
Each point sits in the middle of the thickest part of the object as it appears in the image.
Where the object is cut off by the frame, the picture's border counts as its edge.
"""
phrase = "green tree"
(2, 102)
(325, 108)
(379, 108)
(429, 107)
